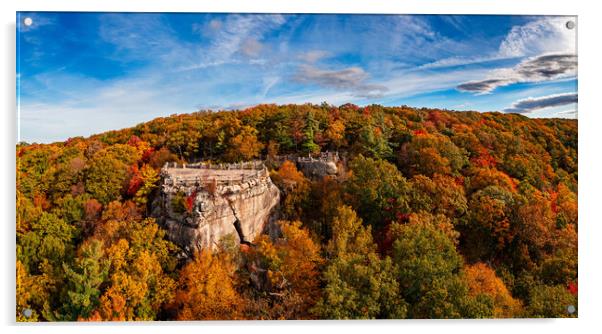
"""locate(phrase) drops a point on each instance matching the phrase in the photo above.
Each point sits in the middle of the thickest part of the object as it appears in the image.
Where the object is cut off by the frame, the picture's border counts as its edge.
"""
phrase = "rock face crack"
(238, 226)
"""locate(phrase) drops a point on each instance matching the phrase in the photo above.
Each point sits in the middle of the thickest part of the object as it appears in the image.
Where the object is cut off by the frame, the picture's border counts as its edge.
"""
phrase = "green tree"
(50, 239)
(107, 173)
(311, 126)
(429, 274)
(371, 188)
(551, 302)
(359, 285)
(374, 137)
(83, 281)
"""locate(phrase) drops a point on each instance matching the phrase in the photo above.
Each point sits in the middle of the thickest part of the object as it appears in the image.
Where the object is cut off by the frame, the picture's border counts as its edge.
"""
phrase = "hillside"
(432, 214)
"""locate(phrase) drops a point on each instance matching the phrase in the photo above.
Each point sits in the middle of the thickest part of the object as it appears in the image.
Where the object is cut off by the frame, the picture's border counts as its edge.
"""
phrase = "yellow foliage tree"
(206, 289)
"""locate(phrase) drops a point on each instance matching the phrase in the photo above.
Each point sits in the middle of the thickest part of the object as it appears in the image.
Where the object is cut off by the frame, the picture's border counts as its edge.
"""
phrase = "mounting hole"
(28, 21)
(570, 24)
(571, 309)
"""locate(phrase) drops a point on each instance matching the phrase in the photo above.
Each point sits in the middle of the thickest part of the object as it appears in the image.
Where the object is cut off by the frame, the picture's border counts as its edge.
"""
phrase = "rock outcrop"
(201, 203)
(316, 167)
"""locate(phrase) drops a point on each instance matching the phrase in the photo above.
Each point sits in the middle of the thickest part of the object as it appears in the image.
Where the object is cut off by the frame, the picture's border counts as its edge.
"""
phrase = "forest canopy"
(433, 214)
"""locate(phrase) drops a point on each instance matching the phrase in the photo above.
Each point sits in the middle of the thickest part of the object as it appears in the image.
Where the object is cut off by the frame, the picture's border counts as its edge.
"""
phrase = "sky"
(84, 73)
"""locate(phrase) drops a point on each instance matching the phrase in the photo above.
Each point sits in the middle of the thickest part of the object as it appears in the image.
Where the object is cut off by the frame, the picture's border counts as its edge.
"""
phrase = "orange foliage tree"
(481, 279)
(206, 289)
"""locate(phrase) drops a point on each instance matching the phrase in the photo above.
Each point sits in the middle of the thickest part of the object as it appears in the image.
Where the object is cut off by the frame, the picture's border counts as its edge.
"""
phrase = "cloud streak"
(535, 69)
(532, 104)
(350, 78)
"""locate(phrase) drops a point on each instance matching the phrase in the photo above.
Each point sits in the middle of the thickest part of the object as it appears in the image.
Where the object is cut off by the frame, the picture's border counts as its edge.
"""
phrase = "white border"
(590, 140)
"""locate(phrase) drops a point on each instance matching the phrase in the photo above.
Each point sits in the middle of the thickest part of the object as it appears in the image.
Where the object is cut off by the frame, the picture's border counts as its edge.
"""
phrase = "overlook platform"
(222, 174)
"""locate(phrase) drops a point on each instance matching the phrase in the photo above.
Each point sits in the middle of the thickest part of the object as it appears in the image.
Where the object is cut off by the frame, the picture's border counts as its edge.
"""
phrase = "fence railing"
(248, 165)
(323, 156)
(174, 180)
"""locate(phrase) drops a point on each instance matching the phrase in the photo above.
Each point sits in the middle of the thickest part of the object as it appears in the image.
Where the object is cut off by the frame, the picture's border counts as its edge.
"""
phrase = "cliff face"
(199, 205)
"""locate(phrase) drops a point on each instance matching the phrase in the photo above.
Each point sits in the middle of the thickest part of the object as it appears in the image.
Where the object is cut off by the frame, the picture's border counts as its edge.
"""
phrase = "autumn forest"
(432, 214)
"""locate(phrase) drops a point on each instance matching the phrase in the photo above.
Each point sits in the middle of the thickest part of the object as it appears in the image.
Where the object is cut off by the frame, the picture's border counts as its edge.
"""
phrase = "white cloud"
(546, 35)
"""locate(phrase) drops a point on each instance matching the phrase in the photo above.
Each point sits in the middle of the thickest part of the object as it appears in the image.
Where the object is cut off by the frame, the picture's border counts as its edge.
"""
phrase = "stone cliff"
(201, 203)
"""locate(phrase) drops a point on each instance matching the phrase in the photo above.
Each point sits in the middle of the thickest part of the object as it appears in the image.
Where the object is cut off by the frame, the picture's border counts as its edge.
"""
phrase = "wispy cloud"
(232, 35)
(313, 56)
(532, 104)
(567, 113)
(350, 78)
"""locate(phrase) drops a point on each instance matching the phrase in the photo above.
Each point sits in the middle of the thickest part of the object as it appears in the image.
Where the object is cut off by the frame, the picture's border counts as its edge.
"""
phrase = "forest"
(434, 214)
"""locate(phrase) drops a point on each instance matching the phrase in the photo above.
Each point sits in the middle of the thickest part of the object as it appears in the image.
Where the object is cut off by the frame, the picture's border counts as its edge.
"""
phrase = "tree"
(335, 133)
(141, 261)
(311, 127)
(560, 266)
(243, 145)
(533, 226)
(295, 188)
(25, 285)
(440, 195)
(84, 280)
(551, 302)
(206, 289)
(138, 286)
(430, 154)
(108, 170)
(149, 178)
(50, 239)
(349, 236)
(481, 279)
(359, 285)
(372, 186)
(564, 205)
(374, 136)
(488, 228)
(484, 177)
(429, 274)
(285, 274)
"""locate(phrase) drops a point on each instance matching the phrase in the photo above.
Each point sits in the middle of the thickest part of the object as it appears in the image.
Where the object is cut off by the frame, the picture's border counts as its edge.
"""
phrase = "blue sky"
(84, 73)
